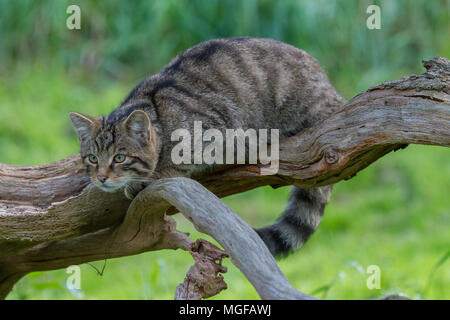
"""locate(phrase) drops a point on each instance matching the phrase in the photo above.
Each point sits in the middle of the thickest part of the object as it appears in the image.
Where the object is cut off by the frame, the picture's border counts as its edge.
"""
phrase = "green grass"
(129, 39)
(395, 214)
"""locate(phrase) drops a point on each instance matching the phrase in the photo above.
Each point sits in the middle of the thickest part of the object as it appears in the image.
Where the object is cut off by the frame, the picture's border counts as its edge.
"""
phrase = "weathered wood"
(204, 279)
(51, 218)
(145, 227)
(247, 251)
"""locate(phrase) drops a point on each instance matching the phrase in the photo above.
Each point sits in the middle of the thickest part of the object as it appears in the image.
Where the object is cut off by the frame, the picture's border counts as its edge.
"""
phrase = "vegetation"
(395, 214)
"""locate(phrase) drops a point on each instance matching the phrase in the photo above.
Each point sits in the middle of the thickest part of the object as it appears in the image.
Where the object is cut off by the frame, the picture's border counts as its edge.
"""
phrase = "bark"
(203, 279)
(51, 218)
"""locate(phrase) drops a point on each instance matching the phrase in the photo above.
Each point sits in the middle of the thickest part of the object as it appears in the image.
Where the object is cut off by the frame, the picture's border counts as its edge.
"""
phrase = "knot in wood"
(331, 156)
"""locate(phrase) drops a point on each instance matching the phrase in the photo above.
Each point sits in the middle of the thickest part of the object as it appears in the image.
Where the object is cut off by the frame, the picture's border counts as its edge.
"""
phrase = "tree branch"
(246, 249)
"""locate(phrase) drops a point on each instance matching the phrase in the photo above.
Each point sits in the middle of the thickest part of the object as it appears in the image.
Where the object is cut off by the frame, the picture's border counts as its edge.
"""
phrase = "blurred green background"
(395, 214)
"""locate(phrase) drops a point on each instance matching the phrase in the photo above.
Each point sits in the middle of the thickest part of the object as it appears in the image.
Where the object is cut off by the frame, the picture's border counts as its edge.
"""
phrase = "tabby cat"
(226, 84)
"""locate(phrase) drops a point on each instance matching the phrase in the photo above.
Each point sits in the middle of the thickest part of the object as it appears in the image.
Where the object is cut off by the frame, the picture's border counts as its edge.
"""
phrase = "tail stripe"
(298, 222)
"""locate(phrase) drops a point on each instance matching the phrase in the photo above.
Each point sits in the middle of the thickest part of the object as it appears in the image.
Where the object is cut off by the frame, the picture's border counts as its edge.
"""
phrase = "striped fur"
(226, 84)
(298, 222)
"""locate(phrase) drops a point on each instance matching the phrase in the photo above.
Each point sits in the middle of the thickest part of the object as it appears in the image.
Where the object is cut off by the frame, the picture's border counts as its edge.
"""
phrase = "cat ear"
(138, 125)
(84, 125)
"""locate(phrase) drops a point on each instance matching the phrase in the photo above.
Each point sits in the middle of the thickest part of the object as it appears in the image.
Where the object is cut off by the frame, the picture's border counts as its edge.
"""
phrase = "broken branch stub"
(203, 280)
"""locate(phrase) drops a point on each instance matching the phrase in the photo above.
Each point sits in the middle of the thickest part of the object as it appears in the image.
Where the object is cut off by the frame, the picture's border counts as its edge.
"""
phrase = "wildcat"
(224, 83)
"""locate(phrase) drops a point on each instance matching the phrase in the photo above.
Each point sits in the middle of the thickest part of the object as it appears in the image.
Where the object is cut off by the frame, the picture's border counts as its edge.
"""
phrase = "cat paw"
(132, 190)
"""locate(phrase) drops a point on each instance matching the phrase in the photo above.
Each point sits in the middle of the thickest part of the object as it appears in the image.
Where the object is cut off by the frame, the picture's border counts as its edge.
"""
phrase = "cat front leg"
(133, 188)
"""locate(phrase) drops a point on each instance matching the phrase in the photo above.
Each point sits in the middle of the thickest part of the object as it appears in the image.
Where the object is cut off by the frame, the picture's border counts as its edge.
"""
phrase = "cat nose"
(102, 178)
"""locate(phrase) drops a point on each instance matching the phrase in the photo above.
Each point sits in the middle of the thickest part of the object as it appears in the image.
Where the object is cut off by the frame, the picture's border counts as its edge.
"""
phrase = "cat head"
(117, 153)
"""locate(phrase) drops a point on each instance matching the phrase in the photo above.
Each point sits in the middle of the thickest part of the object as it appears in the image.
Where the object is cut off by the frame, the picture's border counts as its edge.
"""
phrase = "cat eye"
(93, 159)
(118, 158)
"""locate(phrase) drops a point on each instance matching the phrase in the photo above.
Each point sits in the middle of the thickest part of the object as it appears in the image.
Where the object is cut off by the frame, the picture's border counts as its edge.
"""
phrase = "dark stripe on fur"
(138, 172)
(298, 221)
(123, 112)
(144, 164)
(274, 241)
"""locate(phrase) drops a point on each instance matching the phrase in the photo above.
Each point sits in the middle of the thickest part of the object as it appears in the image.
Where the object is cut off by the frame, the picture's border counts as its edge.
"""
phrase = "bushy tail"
(298, 222)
